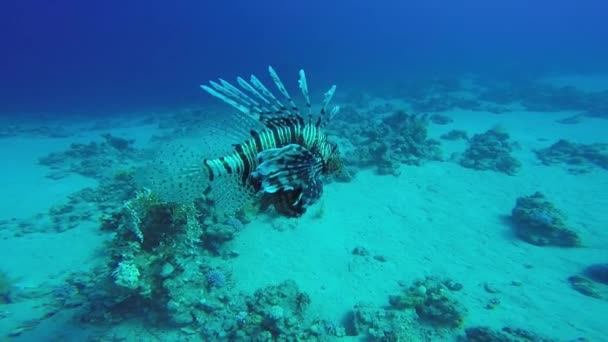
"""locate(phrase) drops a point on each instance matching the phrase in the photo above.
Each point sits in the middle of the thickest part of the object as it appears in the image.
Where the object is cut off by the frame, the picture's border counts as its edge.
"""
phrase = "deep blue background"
(113, 56)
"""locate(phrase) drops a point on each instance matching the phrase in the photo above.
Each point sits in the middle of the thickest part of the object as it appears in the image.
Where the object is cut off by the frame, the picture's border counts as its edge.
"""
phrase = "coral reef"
(40, 129)
(491, 151)
(273, 313)
(455, 134)
(89, 204)
(431, 299)
(48, 299)
(95, 159)
(85, 206)
(507, 334)
(215, 278)
(278, 312)
(398, 138)
(152, 257)
(537, 221)
(159, 264)
(440, 119)
(446, 102)
(379, 324)
(579, 157)
(542, 97)
(533, 96)
(126, 274)
(216, 235)
(409, 138)
(435, 95)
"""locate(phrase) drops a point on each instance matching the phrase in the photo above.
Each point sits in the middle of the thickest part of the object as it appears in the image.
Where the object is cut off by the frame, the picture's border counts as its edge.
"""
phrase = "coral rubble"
(537, 221)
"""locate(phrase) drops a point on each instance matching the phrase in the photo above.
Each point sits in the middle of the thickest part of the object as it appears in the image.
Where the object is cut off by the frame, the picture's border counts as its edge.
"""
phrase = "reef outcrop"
(539, 222)
(580, 158)
(491, 151)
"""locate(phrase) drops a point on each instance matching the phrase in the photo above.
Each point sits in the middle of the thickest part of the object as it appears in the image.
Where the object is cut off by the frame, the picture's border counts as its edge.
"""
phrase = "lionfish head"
(333, 163)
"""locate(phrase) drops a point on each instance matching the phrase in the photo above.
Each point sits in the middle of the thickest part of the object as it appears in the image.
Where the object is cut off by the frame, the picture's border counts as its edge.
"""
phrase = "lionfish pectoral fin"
(286, 168)
(289, 178)
(312, 192)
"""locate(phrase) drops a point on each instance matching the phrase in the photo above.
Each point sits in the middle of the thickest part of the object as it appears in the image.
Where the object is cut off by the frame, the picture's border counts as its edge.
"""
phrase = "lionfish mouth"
(335, 166)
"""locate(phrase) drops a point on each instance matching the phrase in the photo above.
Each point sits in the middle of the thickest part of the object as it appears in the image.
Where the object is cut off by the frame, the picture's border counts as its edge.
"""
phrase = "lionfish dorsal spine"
(239, 94)
(255, 100)
(226, 99)
(254, 91)
(264, 109)
(280, 107)
(235, 97)
(234, 94)
(282, 89)
(304, 88)
(334, 111)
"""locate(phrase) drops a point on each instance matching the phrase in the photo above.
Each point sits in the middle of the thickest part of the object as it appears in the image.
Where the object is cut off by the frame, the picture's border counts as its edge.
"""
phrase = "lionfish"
(283, 161)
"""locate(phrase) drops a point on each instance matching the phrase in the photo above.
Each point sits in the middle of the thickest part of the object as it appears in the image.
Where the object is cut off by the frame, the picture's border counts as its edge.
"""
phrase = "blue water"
(113, 56)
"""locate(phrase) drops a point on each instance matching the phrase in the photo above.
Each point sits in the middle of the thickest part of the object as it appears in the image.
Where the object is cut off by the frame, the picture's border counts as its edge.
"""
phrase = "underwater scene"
(304, 171)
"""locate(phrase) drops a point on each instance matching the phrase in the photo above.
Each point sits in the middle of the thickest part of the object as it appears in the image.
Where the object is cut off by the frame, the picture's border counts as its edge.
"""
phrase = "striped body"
(244, 159)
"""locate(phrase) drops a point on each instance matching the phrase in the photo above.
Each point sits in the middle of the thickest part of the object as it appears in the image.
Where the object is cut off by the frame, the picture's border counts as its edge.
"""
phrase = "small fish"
(283, 161)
